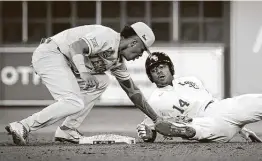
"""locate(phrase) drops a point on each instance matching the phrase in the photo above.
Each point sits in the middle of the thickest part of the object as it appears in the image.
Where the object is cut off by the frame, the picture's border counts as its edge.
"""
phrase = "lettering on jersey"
(94, 42)
(191, 84)
(107, 53)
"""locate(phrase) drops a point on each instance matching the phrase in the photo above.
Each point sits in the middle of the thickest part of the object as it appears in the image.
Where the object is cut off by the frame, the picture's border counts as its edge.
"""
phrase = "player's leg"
(247, 109)
(72, 122)
(234, 113)
(62, 84)
(203, 129)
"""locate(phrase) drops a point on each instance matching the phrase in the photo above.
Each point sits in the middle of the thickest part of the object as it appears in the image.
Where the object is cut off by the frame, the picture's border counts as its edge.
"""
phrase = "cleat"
(175, 129)
(18, 132)
(65, 134)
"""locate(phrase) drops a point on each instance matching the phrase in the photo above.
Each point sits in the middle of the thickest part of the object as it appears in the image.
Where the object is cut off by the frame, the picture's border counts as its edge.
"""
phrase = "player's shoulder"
(153, 94)
(187, 78)
(106, 30)
(99, 29)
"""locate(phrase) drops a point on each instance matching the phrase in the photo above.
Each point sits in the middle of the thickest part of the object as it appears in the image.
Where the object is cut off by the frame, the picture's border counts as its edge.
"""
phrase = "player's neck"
(122, 44)
(163, 86)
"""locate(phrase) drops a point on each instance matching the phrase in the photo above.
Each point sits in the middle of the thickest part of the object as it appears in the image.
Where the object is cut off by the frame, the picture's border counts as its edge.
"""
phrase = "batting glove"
(145, 133)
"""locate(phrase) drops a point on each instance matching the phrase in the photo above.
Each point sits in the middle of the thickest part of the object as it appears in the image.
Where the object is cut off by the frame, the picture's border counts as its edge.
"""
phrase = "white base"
(107, 139)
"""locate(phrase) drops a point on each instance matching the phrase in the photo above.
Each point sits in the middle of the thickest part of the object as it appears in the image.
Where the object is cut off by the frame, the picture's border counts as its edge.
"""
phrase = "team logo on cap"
(144, 37)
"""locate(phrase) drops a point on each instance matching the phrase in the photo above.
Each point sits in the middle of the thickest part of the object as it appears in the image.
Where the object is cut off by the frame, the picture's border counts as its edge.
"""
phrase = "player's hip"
(45, 50)
(215, 129)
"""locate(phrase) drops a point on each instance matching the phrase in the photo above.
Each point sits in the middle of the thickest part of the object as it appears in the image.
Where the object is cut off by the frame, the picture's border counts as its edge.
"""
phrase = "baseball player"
(74, 65)
(177, 98)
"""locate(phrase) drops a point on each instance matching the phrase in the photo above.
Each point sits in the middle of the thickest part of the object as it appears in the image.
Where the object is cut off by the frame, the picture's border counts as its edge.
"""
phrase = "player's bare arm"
(137, 98)
(77, 49)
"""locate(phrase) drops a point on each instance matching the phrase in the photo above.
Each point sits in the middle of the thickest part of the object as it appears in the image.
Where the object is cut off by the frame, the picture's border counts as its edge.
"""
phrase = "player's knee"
(76, 101)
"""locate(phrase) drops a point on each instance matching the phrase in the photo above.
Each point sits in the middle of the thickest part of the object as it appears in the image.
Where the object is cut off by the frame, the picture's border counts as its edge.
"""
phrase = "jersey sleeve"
(96, 40)
(120, 72)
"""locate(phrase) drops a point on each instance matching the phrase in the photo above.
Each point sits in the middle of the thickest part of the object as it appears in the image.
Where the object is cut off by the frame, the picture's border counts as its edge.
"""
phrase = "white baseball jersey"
(103, 43)
(187, 96)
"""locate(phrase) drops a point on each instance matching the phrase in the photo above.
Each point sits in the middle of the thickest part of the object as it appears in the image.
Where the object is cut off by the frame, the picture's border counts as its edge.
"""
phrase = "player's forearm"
(76, 53)
(140, 102)
(137, 98)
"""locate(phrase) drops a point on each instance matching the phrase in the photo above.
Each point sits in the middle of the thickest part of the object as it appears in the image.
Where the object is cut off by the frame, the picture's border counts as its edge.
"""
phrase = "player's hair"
(127, 32)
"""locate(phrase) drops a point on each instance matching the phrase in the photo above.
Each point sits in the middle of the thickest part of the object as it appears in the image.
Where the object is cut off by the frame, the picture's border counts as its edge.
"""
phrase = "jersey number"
(182, 104)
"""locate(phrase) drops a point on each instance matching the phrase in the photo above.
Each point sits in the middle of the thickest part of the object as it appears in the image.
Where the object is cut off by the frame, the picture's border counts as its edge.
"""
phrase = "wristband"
(79, 62)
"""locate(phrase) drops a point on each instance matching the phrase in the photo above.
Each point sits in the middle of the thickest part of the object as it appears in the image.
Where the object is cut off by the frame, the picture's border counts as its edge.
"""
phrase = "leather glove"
(146, 133)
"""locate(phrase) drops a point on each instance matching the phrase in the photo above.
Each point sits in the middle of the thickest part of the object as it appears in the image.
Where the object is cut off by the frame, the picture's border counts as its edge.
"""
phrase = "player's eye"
(153, 70)
(161, 66)
(133, 43)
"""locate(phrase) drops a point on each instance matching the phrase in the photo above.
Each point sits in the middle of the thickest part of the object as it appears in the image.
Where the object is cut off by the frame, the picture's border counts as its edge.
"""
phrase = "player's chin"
(162, 83)
(127, 58)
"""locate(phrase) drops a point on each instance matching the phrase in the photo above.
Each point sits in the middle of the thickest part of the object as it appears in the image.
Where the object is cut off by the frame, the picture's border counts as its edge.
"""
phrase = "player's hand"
(183, 119)
(145, 133)
(249, 135)
(90, 80)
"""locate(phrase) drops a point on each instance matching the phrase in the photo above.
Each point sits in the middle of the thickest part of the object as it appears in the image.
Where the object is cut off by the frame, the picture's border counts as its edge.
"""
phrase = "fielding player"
(177, 98)
(72, 65)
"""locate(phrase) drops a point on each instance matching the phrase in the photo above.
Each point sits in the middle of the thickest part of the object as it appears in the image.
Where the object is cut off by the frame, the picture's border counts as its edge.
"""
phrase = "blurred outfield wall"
(20, 86)
(246, 47)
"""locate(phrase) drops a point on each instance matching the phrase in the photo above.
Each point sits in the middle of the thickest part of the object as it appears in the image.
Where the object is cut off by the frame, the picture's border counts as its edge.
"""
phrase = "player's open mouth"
(161, 77)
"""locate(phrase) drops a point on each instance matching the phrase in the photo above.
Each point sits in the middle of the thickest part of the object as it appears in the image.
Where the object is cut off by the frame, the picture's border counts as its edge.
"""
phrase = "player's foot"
(175, 129)
(66, 134)
(18, 132)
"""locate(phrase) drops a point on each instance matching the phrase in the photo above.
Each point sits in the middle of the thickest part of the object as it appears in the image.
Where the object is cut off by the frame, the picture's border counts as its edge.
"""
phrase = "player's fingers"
(89, 84)
(141, 134)
(96, 81)
(141, 128)
(93, 84)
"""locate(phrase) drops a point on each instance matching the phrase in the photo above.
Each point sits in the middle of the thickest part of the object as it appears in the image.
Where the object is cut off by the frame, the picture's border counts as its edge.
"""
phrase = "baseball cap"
(145, 33)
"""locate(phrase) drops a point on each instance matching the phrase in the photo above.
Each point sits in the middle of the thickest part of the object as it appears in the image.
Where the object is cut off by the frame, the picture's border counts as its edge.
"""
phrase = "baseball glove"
(146, 133)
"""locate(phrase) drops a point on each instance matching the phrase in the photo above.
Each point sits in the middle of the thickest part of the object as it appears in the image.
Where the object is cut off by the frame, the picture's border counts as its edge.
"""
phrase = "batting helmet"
(158, 58)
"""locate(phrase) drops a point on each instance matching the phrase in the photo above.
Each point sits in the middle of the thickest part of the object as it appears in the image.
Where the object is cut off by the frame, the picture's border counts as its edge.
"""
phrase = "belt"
(208, 104)
(48, 40)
